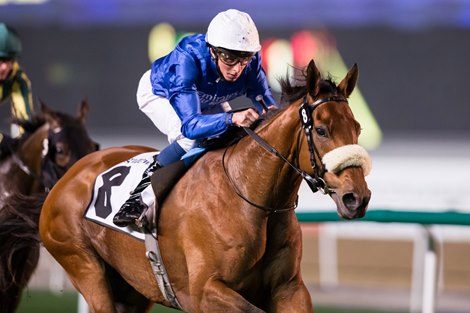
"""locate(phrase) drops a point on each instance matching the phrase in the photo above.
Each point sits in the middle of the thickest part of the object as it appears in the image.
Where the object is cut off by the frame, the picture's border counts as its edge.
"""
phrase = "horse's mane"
(295, 88)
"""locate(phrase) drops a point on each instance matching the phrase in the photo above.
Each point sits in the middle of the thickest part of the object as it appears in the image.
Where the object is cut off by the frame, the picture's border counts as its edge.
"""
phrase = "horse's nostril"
(356, 205)
(350, 201)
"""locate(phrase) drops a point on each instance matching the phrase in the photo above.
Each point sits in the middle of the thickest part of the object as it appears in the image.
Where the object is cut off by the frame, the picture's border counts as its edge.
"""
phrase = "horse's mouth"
(350, 205)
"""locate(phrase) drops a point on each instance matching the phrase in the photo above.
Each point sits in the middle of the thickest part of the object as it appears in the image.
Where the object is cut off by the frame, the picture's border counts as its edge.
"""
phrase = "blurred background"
(412, 54)
(411, 101)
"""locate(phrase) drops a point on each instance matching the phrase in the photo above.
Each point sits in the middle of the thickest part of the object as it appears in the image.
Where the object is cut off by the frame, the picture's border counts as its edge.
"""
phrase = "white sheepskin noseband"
(350, 155)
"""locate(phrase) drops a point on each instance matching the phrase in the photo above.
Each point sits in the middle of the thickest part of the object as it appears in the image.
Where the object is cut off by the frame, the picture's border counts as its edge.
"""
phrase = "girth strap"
(155, 258)
(163, 180)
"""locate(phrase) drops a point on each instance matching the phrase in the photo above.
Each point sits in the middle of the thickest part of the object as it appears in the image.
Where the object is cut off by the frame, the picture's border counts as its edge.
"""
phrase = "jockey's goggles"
(232, 58)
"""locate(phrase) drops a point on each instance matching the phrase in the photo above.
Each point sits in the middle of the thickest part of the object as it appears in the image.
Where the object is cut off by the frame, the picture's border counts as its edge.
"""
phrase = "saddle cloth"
(113, 187)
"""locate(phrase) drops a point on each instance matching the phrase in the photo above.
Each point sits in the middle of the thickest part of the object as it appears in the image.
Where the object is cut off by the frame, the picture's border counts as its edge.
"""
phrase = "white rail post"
(82, 305)
(328, 255)
(430, 270)
(420, 243)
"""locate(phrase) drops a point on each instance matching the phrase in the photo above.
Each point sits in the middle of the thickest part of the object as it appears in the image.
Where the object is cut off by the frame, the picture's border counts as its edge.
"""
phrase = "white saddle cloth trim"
(132, 171)
(346, 156)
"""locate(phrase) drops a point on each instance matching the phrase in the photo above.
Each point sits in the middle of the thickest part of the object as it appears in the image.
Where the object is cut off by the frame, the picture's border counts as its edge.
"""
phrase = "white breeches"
(162, 114)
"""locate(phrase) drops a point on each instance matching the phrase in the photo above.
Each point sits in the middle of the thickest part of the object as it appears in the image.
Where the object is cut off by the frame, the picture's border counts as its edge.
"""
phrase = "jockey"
(14, 84)
(186, 92)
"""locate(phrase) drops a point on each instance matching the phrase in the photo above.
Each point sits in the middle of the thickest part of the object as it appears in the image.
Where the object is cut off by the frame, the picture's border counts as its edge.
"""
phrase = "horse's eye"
(320, 132)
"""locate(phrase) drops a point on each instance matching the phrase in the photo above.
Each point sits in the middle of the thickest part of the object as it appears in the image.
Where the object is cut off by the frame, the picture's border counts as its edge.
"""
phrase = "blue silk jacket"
(188, 77)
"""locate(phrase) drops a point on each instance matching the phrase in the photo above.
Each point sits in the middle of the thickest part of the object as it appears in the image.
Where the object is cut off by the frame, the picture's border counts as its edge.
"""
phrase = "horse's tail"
(19, 246)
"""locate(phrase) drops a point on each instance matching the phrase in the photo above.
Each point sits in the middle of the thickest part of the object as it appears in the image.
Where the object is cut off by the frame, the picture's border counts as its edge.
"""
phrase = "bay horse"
(52, 142)
(228, 232)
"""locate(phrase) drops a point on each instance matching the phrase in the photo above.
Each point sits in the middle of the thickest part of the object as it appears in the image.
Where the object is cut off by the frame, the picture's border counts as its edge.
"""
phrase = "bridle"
(51, 172)
(47, 162)
(316, 183)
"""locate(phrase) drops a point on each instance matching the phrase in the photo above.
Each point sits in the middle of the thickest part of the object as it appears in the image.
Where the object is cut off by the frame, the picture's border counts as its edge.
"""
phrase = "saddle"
(164, 178)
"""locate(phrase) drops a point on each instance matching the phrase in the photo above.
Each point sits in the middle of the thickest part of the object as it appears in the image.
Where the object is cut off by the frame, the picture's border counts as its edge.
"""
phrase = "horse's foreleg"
(104, 289)
(87, 275)
(291, 298)
(217, 297)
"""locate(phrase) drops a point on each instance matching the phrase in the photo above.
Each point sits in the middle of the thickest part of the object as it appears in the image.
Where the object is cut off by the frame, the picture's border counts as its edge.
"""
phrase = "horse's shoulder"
(205, 167)
(212, 156)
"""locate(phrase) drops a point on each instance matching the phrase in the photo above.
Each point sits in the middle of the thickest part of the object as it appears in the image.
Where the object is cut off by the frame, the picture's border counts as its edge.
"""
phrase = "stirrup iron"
(142, 220)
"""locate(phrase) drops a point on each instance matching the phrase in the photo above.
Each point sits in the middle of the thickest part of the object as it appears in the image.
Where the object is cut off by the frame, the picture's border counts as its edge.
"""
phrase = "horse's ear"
(313, 79)
(44, 108)
(49, 116)
(83, 110)
(348, 83)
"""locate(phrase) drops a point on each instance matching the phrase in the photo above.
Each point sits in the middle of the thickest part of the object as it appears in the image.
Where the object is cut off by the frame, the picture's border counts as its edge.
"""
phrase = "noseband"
(316, 182)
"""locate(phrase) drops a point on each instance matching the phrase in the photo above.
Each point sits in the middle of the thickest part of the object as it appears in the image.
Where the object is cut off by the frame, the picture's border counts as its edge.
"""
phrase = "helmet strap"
(216, 60)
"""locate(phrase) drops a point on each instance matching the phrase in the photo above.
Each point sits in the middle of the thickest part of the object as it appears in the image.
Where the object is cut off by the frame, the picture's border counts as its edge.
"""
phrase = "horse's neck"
(269, 180)
(31, 150)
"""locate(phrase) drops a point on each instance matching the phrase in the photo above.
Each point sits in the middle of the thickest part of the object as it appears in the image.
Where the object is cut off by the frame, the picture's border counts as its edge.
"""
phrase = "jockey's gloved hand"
(272, 107)
(245, 118)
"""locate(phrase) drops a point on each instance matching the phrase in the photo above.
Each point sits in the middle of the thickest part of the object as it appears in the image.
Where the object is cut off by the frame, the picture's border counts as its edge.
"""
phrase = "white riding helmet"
(233, 30)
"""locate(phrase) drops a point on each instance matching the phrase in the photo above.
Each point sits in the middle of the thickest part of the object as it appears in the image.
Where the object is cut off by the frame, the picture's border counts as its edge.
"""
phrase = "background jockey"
(186, 92)
(15, 86)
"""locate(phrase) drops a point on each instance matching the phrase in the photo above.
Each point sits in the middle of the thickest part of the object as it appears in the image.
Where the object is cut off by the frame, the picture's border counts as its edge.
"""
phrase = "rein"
(27, 170)
(19, 162)
(316, 183)
(271, 149)
(22, 165)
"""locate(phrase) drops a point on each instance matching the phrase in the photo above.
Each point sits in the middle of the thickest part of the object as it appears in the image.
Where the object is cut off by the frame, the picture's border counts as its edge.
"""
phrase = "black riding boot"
(133, 207)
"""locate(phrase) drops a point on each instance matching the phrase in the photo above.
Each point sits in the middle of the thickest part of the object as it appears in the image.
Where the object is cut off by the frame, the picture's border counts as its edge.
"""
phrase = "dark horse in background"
(228, 232)
(51, 143)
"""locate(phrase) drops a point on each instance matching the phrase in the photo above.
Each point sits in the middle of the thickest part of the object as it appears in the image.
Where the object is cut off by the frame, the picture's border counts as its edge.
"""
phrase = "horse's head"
(67, 141)
(330, 152)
